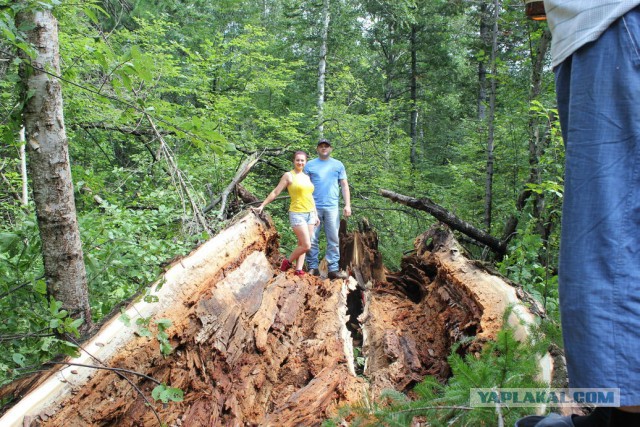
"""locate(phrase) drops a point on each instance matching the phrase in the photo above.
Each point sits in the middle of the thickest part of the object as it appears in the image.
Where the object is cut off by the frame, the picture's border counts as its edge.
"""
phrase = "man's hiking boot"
(313, 272)
(337, 275)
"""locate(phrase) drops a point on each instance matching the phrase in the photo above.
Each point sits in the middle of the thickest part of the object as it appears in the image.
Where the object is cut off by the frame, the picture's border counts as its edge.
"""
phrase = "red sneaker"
(299, 273)
(285, 265)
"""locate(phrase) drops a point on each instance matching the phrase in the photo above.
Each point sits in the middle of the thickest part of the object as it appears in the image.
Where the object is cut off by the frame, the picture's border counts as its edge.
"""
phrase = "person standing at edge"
(596, 58)
(302, 212)
(329, 177)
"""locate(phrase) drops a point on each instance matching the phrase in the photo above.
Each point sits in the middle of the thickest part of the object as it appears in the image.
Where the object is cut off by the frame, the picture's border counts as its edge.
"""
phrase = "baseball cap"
(324, 141)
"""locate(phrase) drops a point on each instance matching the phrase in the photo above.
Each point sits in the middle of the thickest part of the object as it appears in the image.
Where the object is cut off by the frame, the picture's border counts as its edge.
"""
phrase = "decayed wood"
(252, 345)
(179, 287)
(256, 346)
(441, 214)
(440, 297)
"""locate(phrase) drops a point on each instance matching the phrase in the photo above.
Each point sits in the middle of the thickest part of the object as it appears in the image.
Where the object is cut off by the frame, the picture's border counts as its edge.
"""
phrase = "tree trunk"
(488, 193)
(413, 132)
(446, 217)
(482, 67)
(322, 66)
(23, 169)
(50, 169)
(536, 146)
(538, 132)
(256, 346)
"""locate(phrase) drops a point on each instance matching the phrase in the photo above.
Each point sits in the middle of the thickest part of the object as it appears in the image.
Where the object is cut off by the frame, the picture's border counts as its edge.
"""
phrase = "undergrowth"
(503, 363)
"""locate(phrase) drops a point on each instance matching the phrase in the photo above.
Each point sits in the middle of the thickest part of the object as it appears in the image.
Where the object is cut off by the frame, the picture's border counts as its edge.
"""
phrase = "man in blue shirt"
(329, 178)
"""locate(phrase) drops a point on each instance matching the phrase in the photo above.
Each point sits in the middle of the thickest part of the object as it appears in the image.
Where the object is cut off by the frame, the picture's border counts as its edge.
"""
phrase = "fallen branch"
(241, 173)
(443, 215)
(164, 149)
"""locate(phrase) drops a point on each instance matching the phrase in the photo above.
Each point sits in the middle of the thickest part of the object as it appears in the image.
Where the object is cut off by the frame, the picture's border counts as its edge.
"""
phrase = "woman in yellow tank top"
(302, 210)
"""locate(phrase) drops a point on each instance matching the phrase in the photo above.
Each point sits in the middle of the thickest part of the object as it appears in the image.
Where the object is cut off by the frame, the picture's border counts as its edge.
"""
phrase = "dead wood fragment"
(438, 299)
(441, 214)
(241, 173)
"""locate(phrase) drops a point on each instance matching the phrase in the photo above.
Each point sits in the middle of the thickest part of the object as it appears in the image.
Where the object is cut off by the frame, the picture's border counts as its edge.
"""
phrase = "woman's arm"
(284, 183)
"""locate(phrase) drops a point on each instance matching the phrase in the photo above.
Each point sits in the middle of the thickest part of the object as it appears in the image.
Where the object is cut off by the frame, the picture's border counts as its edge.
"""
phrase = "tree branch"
(241, 174)
(443, 215)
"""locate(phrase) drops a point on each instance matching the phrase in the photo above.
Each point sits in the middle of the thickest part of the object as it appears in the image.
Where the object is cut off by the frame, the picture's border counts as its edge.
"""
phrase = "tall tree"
(413, 127)
(482, 65)
(49, 166)
(322, 66)
(488, 195)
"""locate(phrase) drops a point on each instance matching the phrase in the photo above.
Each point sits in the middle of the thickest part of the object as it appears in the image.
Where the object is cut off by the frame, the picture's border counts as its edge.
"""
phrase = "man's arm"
(346, 195)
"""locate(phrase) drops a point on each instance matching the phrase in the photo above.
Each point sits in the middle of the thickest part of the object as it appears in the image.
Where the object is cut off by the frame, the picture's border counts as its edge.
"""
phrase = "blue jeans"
(330, 221)
(598, 90)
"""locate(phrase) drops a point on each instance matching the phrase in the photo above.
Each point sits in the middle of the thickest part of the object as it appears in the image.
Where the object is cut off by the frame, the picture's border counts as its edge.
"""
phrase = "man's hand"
(346, 211)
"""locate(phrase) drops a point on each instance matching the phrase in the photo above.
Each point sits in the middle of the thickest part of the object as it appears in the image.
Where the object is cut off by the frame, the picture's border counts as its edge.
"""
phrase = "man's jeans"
(599, 103)
(330, 221)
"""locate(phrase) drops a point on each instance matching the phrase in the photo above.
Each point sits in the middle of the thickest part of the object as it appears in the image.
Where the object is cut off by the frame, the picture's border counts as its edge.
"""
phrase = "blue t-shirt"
(325, 176)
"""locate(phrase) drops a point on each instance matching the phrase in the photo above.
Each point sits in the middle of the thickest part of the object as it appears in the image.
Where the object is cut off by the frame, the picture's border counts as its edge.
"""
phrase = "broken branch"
(443, 215)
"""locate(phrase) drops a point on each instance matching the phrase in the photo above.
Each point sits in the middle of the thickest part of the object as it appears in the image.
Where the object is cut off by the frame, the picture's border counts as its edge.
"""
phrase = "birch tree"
(322, 66)
(49, 167)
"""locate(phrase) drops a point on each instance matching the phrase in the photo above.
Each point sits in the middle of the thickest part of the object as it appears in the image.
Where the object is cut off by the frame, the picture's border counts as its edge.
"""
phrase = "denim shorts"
(302, 218)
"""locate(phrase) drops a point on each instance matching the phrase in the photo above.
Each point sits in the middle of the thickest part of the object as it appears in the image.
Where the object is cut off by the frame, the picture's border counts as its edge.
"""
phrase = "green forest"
(163, 102)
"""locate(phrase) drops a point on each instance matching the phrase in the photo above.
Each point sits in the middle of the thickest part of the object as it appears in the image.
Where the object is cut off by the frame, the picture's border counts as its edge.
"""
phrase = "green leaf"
(151, 299)
(144, 332)
(40, 286)
(90, 14)
(19, 359)
(165, 348)
(166, 394)
(164, 324)
(124, 318)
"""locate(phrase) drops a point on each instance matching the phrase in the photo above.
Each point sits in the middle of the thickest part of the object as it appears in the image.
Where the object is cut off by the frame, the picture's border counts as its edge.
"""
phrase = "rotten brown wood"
(256, 346)
(440, 297)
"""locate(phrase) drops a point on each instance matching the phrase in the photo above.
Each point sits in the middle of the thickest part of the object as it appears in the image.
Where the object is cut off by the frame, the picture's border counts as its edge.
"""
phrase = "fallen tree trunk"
(255, 346)
(412, 318)
(251, 345)
(441, 214)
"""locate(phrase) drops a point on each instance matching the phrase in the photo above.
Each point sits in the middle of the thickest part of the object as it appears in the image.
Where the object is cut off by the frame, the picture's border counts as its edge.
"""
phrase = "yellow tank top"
(301, 192)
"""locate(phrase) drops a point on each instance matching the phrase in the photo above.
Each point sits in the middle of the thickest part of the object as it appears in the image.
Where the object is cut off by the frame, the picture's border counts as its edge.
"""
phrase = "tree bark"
(443, 215)
(23, 169)
(413, 131)
(488, 193)
(322, 66)
(50, 169)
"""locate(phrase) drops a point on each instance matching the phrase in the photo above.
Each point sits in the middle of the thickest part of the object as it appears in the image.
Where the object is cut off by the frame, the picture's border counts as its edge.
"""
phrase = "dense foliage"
(221, 80)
